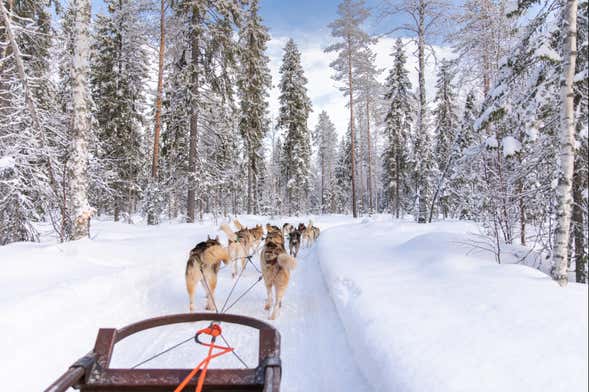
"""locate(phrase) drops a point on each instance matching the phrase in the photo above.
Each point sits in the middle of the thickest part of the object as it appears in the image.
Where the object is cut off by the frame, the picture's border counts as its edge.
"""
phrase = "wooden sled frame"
(92, 372)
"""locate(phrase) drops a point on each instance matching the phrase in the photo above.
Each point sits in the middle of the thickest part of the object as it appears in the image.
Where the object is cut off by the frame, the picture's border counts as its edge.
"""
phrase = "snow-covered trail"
(56, 296)
(312, 334)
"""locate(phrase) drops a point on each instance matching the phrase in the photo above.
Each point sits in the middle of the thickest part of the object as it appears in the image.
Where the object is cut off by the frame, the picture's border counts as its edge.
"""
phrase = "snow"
(375, 305)
(7, 162)
(54, 298)
(546, 52)
(511, 146)
(427, 313)
(492, 142)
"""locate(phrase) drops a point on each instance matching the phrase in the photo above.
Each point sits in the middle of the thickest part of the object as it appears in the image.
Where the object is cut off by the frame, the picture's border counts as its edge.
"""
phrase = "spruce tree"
(446, 142)
(118, 76)
(400, 104)
(325, 138)
(253, 83)
(295, 107)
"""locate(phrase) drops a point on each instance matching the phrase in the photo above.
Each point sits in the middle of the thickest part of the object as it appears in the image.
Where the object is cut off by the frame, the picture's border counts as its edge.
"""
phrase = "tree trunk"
(370, 196)
(322, 184)
(397, 184)
(352, 136)
(422, 218)
(566, 146)
(522, 213)
(192, 150)
(578, 227)
(151, 219)
(81, 122)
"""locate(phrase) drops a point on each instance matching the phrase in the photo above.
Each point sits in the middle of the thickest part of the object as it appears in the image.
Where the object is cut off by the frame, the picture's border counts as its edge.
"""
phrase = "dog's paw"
(267, 307)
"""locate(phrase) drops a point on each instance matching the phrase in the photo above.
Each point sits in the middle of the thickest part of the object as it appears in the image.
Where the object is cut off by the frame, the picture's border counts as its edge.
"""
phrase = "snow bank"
(424, 313)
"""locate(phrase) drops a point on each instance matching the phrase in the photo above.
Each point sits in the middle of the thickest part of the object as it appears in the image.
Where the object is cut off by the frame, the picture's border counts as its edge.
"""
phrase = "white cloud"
(323, 90)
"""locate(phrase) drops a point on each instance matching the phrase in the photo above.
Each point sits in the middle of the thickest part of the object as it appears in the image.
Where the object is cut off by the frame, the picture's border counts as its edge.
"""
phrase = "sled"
(93, 373)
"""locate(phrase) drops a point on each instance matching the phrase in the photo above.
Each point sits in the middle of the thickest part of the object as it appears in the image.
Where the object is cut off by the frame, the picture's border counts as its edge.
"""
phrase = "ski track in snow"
(125, 278)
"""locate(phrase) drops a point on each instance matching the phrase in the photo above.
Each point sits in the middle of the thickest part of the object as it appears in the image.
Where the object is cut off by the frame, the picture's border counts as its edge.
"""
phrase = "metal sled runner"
(92, 372)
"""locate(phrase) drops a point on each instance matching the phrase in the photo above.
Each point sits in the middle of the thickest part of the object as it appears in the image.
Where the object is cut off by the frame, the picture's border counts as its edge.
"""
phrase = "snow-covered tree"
(325, 138)
(424, 18)
(199, 89)
(482, 39)
(566, 138)
(351, 50)
(254, 82)
(31, 129)
(118, 77)
(446, 138)
(400, 104)
(295, 107)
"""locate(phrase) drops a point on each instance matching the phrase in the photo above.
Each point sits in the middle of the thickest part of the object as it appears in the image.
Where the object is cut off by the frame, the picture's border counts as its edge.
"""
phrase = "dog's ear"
(208, 237)
(217, 238)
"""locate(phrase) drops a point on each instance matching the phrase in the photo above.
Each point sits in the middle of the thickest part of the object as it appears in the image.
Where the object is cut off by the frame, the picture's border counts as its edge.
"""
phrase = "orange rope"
(213, 330)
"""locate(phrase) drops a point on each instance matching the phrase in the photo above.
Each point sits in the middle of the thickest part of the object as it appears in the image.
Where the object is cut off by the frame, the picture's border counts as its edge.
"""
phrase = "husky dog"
(294, 242)
(238, 225)
(287, 228)
(276, 267)
(203, 264)
(258, 233)
(310, 234)
(237, 247)
(253, 236)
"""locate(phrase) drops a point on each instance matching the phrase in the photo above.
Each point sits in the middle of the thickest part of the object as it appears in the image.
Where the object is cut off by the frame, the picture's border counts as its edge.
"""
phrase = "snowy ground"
(412, 311)
(444, 317)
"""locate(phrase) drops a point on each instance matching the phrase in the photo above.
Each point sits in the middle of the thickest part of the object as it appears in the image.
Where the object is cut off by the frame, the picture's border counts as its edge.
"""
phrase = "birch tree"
(81, 210)
(566, 145)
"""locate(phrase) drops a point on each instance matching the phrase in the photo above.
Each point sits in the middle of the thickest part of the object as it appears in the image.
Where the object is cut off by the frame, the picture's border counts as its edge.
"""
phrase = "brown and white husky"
(203, 265)
(276, 268)
(238, 247)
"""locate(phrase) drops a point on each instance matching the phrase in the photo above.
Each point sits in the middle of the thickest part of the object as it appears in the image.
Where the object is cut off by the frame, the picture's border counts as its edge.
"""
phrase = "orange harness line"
(213, 330)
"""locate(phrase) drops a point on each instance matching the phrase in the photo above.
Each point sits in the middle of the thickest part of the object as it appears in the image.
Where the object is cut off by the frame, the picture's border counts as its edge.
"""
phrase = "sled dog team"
(276, 263)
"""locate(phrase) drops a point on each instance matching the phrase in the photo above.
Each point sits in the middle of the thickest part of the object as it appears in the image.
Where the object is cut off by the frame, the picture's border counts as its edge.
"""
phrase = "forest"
(159, 111)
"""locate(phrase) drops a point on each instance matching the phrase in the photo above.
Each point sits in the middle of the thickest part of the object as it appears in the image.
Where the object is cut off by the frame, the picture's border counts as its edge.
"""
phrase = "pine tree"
(425, 17)
(153, 194)
(253, 83)
(343, 175)
(295, 107)
(325, 137)
(118, 78)
(446, 142)
(350, 49)
(399, 117)
(368, 91)
(203, 77)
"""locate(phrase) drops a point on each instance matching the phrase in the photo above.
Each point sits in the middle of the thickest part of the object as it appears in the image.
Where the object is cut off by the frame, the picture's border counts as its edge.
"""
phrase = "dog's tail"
(227, 230)
(238, 225)
(286, 261)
